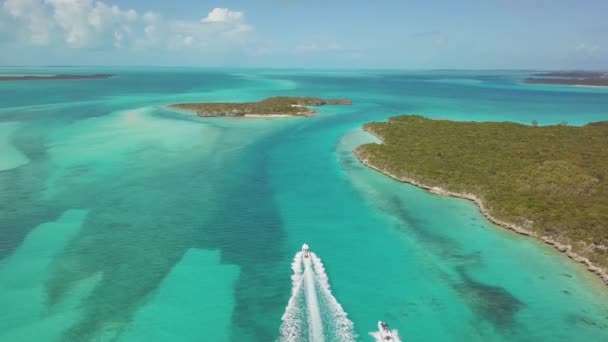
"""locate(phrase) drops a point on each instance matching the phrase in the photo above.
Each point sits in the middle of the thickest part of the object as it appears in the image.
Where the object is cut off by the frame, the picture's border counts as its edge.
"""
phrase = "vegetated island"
(273, 106)
(53, 77)
(576, 78)
(549, 182)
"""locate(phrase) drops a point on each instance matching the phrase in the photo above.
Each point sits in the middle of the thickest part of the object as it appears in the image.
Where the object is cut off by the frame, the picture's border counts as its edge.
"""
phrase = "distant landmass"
(52, 77)
(580, 78)
(274, 106)
(550, 182)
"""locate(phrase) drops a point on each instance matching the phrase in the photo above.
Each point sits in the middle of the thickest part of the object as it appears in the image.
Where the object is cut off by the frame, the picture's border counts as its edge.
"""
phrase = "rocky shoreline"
(563, 248)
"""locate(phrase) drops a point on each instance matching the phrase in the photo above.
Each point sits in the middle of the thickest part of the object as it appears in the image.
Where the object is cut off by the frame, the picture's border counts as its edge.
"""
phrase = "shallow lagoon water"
(10, 157)
(125, 221)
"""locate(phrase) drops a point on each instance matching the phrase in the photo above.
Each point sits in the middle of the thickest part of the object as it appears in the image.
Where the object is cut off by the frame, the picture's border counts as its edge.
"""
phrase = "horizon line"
(298, 67)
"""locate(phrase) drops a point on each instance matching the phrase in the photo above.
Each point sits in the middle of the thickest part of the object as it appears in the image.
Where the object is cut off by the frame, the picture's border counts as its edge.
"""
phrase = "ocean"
(121, 220)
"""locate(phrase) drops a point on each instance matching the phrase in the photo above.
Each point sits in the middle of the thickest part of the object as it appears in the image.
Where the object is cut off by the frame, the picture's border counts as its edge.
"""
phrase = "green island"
(53, 77)
(273, 106)
(573, 78)
(550, 182)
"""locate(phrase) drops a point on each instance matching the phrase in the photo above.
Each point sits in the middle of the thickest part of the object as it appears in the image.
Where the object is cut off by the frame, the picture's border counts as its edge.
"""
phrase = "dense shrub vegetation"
(551, 179)
(273, 105)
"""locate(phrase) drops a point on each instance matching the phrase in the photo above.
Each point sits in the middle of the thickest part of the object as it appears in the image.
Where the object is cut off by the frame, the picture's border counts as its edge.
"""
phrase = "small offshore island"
(573, 78)
(53, 77)
(549, 182)
(270, 107)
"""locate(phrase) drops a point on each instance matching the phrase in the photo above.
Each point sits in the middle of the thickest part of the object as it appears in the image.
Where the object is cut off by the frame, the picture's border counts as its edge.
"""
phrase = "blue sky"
(464, 34)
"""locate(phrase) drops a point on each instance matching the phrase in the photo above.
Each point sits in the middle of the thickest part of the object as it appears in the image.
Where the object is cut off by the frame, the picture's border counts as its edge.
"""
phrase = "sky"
(402, 34)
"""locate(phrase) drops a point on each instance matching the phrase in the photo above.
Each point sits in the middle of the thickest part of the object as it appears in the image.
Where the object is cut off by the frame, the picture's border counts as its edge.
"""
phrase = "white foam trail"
(296, 266)
(342, 328)
(313, 313)
(376, 335)
(291, 329)
(313, 310)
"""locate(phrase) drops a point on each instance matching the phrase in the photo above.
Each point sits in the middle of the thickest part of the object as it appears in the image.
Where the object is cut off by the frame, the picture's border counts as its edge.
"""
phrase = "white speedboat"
(385, 331)
(305, 251)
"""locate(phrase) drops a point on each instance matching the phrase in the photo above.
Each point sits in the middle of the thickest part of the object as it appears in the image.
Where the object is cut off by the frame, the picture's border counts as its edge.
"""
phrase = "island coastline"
(8, 78)
(245, 116)
(268, 116)
(273, 107)
(602, 273)
(570, 78)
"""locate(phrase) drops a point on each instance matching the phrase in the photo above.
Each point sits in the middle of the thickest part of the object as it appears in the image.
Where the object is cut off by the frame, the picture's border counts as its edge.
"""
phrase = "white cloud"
(97, 24)
(221, 27)
(150, 17)
(223, 15)
(71, 16)
(18, 8)
(226, 21)
(103, 15)
(29, 21)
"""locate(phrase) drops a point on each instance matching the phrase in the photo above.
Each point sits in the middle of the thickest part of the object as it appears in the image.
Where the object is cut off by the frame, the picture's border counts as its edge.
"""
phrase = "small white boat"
(305, 251)
(385, 331)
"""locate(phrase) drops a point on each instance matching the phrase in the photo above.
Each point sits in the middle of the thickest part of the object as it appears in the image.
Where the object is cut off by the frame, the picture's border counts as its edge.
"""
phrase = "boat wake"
(313, 313)
(378, 337)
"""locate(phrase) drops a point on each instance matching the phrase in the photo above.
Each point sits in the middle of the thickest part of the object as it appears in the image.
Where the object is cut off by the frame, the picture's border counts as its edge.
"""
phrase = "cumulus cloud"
(86, 24)
(97, 24)
(221, 30)
(226, 21)
(223, 15)
(28, 20)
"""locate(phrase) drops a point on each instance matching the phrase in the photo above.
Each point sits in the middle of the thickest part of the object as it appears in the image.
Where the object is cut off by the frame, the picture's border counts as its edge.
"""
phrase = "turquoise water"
(121, 220)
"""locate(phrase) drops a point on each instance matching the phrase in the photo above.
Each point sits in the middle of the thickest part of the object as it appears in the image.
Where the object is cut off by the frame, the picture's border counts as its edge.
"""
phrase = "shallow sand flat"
(10, 156)
(98, 147)
(189, 304)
